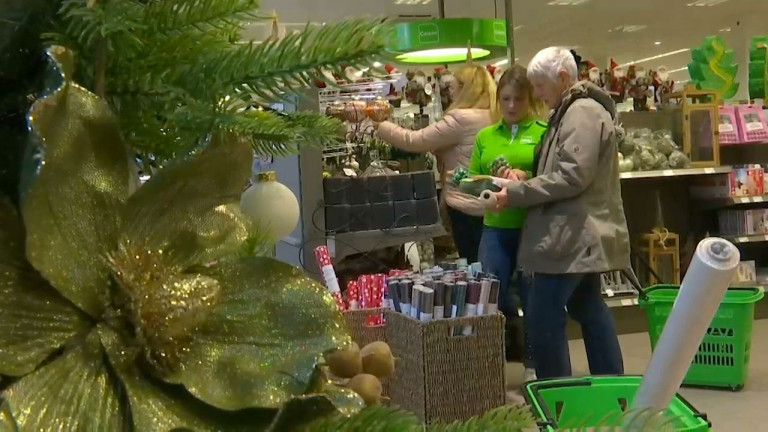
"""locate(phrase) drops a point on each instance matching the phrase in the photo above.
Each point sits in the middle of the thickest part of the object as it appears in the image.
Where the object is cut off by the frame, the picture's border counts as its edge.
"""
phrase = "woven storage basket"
(441, 377)
(363, 334)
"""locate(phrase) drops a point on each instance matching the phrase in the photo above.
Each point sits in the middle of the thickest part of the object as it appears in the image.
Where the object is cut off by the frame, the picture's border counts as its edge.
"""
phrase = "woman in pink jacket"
(451, 140)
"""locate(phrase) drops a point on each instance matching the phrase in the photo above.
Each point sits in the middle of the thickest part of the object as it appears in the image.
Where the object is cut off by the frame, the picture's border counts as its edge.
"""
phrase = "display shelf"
(342, 245)
(715, 203)
(756, 238)
(621, 300)
(675, 172)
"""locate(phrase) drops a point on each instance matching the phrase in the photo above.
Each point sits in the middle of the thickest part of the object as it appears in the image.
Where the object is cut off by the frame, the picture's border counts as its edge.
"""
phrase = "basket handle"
(629, 273)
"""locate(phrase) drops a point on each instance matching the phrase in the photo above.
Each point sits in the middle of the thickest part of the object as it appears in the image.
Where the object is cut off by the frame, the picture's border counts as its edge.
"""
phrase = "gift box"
(444, 377)
(728, 129)
(752, 124)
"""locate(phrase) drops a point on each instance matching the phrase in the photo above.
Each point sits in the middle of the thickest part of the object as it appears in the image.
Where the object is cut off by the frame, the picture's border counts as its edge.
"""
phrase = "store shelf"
(621, 300)
(346, 244)
(675, 172)
(758, 238)
(715, 203)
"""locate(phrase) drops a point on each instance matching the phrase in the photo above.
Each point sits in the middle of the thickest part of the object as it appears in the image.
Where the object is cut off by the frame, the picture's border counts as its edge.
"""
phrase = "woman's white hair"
(549, 62)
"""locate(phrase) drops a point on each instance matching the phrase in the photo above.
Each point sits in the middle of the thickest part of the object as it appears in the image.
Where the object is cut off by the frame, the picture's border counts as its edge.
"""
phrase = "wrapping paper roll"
(700, 295)
(488, 199)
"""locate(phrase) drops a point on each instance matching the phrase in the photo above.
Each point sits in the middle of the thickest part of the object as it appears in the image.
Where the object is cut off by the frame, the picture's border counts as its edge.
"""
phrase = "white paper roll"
(700, 295)
(488, 199)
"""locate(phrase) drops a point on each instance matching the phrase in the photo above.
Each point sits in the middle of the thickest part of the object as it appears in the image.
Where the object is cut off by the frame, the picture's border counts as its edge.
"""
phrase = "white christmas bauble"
(271, 206)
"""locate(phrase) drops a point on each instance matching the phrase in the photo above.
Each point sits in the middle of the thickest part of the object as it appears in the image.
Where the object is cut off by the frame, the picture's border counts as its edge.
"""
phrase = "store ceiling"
(599, 29)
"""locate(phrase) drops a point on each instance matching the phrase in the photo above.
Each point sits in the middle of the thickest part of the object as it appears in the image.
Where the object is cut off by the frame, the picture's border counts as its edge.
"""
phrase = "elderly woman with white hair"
(576, 228)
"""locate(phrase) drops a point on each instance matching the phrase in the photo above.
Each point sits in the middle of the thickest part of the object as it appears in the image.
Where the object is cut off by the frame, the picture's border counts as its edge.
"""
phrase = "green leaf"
(260, 346)
(73, 392)
(72, 209)
(36, 319)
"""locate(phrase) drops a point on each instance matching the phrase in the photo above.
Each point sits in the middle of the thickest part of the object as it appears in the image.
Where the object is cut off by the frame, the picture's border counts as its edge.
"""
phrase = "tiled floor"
(743, 411)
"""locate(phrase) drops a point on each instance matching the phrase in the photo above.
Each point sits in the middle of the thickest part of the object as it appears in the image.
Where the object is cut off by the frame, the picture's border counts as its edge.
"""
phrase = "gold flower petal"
(72, 208)
(7, 422)
(36, 320)
(260, 345)
(75, 392)
(156, 406)
(188, 214)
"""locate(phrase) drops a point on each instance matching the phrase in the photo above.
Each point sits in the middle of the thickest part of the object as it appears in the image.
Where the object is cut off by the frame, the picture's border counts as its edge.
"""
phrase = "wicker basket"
(363, 334)
(441, 377)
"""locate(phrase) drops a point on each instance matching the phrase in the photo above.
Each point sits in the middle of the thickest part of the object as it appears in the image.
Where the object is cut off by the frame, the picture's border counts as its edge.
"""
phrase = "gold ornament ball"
(378, 360)
(368, 387)
(271, 206)
(345, 363)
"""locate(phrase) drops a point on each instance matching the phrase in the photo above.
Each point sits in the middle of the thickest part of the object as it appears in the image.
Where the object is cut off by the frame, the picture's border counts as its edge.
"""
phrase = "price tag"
(609, 292)
(668, 172)
(709, 170)
(742, 239)
(628, 302)
(757, 199)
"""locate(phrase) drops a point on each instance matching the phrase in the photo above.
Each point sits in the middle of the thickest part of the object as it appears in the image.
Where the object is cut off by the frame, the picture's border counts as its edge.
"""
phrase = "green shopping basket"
(600, 402)
(723, 357)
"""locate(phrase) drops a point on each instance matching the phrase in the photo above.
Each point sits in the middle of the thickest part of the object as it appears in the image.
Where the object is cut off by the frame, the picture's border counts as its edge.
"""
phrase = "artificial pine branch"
(171, 63)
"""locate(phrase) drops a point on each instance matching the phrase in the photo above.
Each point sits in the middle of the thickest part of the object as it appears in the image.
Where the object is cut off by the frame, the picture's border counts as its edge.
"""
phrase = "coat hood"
(586, 89)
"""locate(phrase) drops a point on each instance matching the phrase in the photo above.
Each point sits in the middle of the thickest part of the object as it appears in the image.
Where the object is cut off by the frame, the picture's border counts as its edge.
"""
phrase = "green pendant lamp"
(444, 40)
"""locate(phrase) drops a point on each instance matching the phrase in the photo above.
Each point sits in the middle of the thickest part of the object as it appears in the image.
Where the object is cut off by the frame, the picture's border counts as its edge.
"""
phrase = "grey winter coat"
(576, 221)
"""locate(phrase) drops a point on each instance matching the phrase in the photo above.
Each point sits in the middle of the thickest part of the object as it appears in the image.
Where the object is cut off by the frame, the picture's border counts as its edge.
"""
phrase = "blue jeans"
(580, 294)
(498, 254)
(466, 232)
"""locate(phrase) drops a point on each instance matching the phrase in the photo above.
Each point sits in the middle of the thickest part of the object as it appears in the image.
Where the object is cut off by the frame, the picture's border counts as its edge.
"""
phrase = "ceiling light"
(666, 54)
(628, 28)
(725, 30)
(444, 40)
(501, 62)
(657, 43)
(441, 55)
(566, 2)
(678, 69)
(413, 2)
(707, 2)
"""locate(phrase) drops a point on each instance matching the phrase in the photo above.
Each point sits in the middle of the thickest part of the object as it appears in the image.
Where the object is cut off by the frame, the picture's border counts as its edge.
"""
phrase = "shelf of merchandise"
(345, 244)
(675, 172)
(755, 238)
(716, 203)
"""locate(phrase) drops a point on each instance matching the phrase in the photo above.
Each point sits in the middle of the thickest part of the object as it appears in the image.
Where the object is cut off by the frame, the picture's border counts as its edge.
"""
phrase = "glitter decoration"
(146, 297)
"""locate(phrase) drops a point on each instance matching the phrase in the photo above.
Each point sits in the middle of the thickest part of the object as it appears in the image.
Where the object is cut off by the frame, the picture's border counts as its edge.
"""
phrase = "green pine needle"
(170, 64)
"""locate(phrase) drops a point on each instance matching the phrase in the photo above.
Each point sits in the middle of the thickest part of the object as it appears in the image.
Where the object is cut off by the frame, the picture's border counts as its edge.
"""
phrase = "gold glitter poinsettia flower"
(125, 307)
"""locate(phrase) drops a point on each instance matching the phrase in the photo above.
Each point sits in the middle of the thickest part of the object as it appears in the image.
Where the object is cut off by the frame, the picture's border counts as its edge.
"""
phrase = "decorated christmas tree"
(713, 68)
(143, 307)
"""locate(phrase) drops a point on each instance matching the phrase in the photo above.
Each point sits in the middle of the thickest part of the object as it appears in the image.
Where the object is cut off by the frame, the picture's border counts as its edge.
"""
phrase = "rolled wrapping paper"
(323, 257)
(447, 297)
(458, 298)
(426, 305)
(493, 297)
(488, 199)
(406, 289)
(393, 289)
(700, 295)
(439, 300)
(470, 309)
(416, 301)
(353, 291)
(485, 294)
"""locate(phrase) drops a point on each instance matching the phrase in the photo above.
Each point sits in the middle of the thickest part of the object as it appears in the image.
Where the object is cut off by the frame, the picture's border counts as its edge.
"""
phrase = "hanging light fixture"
(444, 40)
